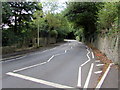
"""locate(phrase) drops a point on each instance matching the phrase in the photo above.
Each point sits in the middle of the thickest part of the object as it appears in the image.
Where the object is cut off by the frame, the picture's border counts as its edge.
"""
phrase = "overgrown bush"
(53, 33)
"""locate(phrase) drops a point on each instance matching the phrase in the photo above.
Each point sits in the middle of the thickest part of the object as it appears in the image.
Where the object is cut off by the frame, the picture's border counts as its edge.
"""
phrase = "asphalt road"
(70, 65)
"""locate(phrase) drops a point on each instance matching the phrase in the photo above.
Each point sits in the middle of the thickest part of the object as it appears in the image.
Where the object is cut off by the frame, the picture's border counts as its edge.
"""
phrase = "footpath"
(110, 71)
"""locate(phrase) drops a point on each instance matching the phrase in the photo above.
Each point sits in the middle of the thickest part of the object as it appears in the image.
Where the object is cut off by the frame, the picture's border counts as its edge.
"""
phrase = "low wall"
(43, 42)
(109, 45)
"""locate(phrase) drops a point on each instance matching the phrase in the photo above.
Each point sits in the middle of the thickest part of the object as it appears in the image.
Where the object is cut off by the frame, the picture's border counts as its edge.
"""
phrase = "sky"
(60, 6)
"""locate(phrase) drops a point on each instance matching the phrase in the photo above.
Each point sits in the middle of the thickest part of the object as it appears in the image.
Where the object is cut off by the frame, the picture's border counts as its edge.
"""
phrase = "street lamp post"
(38, 36)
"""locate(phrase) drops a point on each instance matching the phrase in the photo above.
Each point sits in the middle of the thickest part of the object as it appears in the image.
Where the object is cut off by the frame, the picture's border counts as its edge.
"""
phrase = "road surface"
(70, 65)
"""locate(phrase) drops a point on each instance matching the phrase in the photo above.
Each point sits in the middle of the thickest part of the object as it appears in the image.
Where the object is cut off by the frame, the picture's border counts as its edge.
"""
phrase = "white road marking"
(88, 58)
(57, 54)
(33, 65)
(65, 51)
(85, 63)
(79, 78)
(93, 55)
(14, 58)
(97, 61)
(50, 58)
(38, 80)
(98, 72)
(71, 47)
(89, 75)
(103, 77)
(39, 63)
(100, 65)
(29, 67)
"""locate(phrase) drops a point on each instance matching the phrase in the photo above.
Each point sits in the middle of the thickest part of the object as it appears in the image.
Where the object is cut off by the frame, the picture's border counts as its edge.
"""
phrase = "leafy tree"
(83, 14)
(107, 15)
(17, 14)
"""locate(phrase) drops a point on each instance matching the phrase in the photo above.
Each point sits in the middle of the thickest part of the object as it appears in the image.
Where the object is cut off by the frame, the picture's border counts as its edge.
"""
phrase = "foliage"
(18, 16)
(53, 33)
(107, 15)
(79, 33)
(83, 14)
(8, 37)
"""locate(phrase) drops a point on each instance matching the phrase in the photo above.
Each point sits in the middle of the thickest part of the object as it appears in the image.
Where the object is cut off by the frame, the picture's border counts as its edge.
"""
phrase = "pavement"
(70, 65)
(111, 81)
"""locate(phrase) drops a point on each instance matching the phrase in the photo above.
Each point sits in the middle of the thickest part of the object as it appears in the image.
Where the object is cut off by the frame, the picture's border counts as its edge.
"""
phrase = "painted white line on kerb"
(93, 55)
(103, 77)
(79, 78)
(89, 75)
(100, 65)
(38, 80)
(88, 58)
(98, 72)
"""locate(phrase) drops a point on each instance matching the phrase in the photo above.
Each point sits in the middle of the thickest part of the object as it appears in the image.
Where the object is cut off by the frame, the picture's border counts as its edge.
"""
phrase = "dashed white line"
(38, 80)
(103, 77)
(79, 78)
(65, 51)
(89, 75)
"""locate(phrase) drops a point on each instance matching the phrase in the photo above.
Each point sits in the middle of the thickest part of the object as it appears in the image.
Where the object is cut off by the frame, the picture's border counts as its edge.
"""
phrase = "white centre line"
(65, 51)
(89, 75)
(38, 80)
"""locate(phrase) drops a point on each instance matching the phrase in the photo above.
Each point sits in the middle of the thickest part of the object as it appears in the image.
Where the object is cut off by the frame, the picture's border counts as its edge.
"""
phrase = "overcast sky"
(60, 6)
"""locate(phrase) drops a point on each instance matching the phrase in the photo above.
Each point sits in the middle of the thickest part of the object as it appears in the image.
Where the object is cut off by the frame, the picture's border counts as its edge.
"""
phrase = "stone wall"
(109, 45)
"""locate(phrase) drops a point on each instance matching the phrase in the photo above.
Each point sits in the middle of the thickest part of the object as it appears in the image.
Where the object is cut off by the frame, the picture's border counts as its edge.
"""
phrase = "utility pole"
(38, 36)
